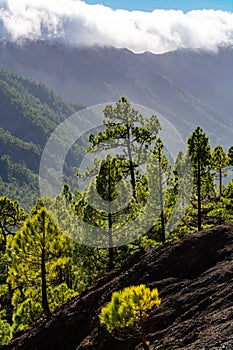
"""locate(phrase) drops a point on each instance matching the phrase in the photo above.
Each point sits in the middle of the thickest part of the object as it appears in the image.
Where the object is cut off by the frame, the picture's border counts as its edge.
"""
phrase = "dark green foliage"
(162, 178)
(219, 163)
(30, 310)
(200, 154)
(38, 254)
(12, 217)
(29, 113)
(18, 182)
(5, 327)
(17, 149)
(230, 156)
(5, 332)
(126, 127)
(43, 266)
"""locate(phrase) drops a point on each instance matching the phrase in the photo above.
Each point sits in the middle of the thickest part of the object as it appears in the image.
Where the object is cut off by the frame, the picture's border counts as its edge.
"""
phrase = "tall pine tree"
(200, 154)
(103, 202)
(219, 163)
(126, 128)
(37, 253)
(162, 177)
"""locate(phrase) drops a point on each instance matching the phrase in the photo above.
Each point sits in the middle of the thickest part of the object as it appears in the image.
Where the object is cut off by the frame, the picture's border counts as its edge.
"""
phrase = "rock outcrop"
(194, 276)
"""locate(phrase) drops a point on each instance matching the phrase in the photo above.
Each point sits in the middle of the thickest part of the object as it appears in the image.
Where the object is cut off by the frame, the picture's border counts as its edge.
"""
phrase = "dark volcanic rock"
(195, 280)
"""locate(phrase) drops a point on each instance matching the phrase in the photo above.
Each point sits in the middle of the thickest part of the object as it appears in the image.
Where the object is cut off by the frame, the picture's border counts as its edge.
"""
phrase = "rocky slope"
(195, 280)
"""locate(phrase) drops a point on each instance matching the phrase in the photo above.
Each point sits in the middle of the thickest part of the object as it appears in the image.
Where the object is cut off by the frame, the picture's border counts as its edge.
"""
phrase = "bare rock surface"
(194, 276)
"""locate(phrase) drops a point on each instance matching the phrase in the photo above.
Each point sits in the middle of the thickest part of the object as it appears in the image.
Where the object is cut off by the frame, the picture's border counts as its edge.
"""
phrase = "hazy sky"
(150, 5)
(76, 23)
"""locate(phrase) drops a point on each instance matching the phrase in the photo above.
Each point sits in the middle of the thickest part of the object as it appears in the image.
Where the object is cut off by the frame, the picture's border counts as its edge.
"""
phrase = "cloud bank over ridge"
(76, 23)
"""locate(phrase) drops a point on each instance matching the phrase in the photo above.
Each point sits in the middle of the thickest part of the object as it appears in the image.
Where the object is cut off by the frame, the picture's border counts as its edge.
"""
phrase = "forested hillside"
(116, 175)
(29, 113)
(134, 222)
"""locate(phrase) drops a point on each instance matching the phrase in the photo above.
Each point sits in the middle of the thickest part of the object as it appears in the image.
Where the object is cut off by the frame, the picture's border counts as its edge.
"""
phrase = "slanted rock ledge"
(194, 276)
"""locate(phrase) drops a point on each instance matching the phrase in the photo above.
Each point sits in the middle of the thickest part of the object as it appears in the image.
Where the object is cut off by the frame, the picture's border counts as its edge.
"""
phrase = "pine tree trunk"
(131, 167)
(199, 195)
(110, 239)
(45, 304)
(4, 241)
(163, 238)
(110, 249)
(220, 181)
(143, 335)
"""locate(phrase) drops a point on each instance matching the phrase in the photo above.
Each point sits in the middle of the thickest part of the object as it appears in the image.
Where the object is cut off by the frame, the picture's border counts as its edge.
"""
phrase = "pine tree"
(200, 154)
(5, 327)
(30, 310)
(230, 156)
(37, 252)
(108, 177)
(127, 128)
(219, 163)
(128, 309)
(110, 190)
(162, 178)
(179, 194)
(12, 217)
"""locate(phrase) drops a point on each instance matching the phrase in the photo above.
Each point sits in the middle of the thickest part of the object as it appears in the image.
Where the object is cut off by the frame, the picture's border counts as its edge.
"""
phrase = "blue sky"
(149, 5)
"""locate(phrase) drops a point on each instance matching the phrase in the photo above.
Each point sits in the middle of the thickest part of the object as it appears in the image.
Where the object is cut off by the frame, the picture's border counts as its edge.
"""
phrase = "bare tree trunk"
(163, 238)
(220, 181)
(45, 304)
(199, 195)
(131, 167)
(143, 335)
(110, 239)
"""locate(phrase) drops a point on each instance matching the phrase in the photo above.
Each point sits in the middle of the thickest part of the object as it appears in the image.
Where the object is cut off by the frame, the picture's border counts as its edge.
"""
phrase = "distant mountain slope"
(207, 76)
(188, 88)
(194, 276)
(28, 114)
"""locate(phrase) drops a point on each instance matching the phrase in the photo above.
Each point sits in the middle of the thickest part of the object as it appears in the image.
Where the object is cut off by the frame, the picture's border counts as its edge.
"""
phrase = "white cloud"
(76, 23)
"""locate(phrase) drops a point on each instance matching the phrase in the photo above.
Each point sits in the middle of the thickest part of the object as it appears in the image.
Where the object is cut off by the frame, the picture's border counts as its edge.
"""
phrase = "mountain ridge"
(186, 87)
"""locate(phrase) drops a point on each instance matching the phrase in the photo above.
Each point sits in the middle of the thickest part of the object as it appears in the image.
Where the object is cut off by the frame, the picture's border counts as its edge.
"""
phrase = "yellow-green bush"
(128, 309)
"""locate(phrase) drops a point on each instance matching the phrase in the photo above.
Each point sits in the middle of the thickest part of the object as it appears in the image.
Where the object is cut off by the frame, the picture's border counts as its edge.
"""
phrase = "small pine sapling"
(127, 311)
